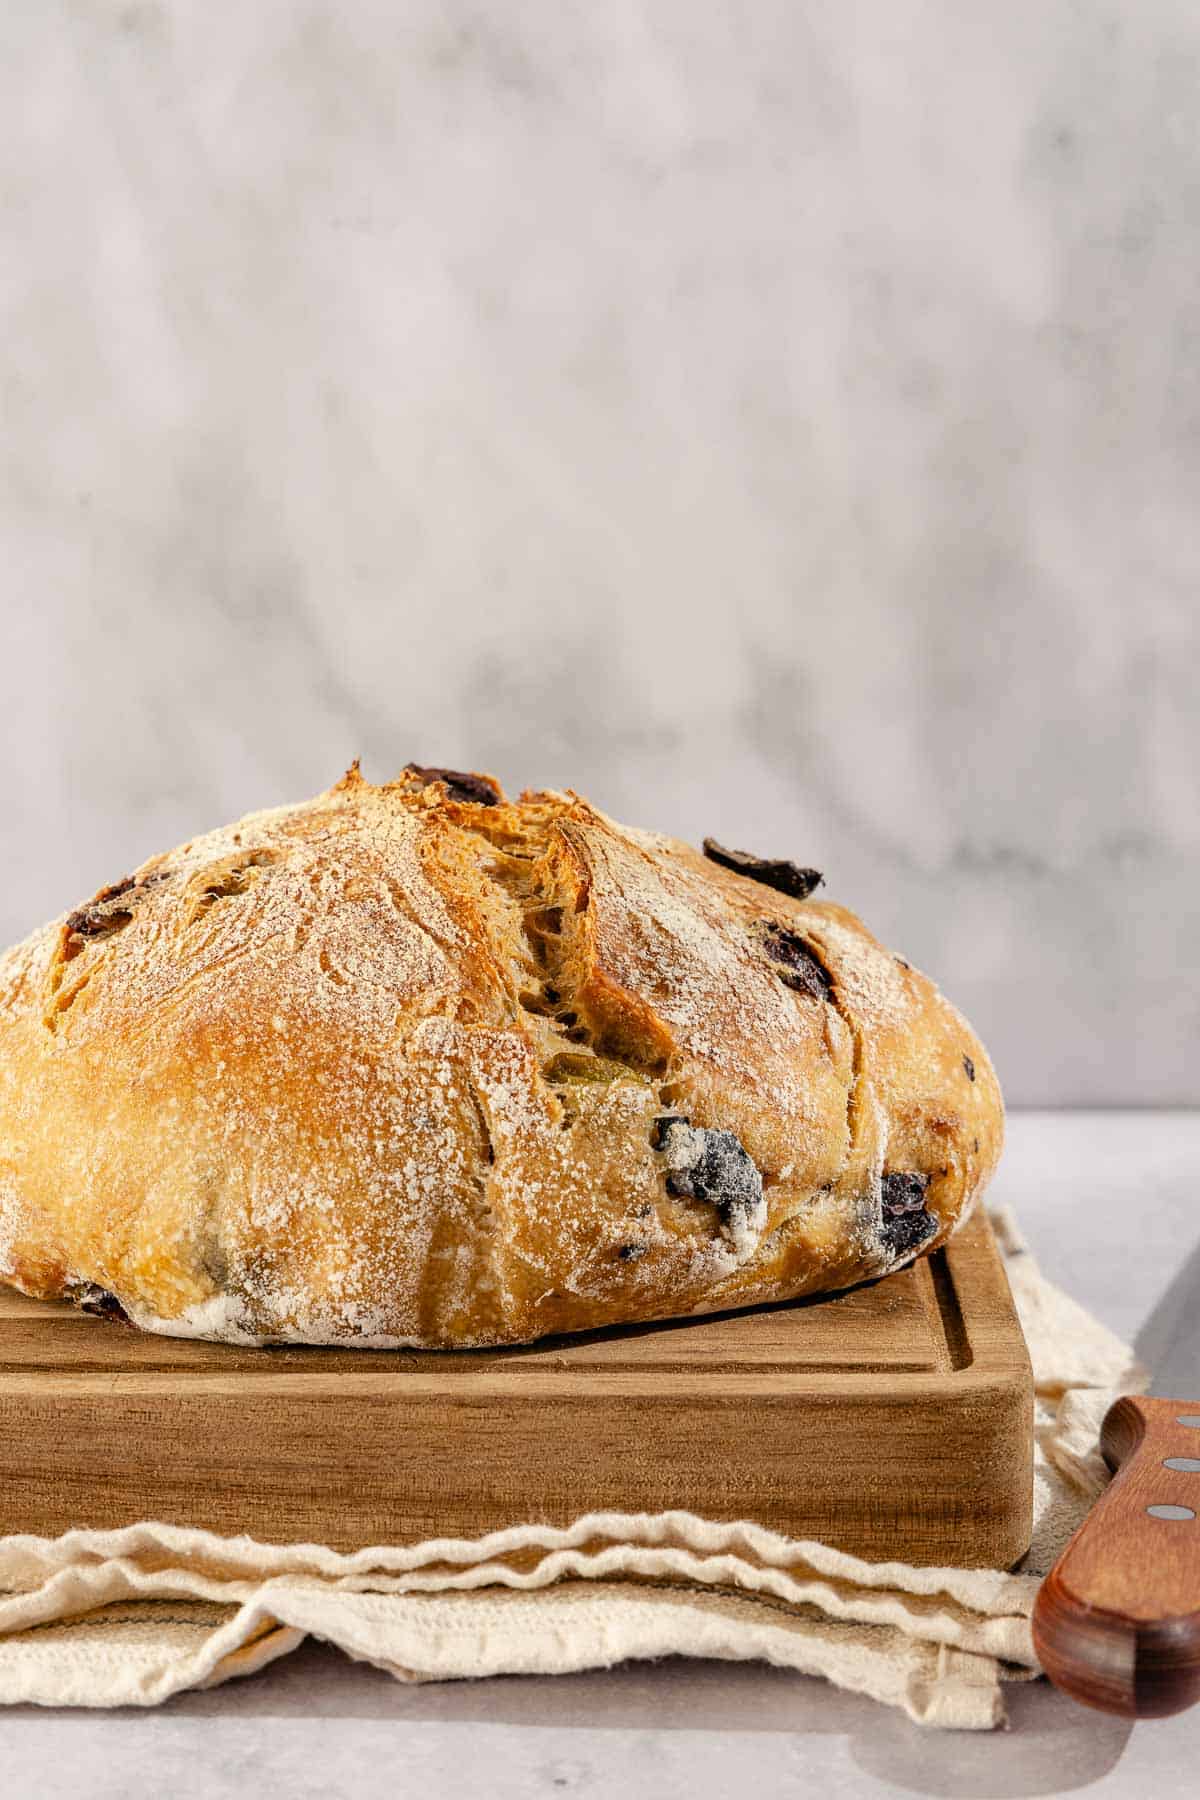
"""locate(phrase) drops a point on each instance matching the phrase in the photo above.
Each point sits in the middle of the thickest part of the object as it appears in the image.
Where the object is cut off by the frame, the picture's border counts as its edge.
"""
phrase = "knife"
(1116, 1623)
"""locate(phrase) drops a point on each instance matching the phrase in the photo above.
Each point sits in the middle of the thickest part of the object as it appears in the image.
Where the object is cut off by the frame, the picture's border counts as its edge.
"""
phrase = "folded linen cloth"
(130, 1617)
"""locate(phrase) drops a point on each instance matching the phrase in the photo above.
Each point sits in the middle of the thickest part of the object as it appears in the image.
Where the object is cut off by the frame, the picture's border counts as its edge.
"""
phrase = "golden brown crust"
(414, 1064)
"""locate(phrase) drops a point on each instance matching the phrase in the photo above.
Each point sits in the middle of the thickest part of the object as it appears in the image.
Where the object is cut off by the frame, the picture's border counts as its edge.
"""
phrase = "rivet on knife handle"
(1117, 1620)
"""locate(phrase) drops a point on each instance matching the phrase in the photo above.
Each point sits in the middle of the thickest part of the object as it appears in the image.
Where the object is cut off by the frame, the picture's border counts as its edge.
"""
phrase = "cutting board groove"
(892, 1420)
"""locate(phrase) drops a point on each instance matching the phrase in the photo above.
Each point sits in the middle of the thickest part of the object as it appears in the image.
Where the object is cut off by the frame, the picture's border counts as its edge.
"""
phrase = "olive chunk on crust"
(785, 877)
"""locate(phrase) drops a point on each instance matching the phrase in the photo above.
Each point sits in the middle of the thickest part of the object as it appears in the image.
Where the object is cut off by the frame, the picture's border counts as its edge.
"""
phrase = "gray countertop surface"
(1110, 1204)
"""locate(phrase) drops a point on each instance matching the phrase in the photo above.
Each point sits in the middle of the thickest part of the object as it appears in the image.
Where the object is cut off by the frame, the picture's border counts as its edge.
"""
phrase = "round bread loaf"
(416, 1065)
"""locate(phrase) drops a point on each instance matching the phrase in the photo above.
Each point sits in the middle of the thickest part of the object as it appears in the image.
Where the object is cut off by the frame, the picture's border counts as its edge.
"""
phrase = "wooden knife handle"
(1116, 1623)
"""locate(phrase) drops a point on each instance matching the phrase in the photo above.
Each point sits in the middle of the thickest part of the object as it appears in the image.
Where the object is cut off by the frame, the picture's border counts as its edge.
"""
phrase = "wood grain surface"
(893, 1421)
(1117, 1621)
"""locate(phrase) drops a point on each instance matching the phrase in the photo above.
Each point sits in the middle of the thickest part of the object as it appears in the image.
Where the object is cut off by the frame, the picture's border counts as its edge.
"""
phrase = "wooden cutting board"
(893, 1421)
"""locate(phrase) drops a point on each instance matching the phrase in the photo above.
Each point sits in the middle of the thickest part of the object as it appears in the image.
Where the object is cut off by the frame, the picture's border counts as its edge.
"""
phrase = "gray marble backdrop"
(777, 419)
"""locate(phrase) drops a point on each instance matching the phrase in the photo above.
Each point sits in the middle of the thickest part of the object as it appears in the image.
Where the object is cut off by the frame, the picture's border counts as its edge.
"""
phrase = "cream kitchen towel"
(130, 1617)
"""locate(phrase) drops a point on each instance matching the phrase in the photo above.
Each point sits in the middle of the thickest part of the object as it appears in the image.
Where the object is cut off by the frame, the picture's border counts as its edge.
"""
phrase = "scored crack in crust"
(417, 1065)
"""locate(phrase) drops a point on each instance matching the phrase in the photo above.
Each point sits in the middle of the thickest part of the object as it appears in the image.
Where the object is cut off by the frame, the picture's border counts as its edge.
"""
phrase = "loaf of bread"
(417, 1065)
